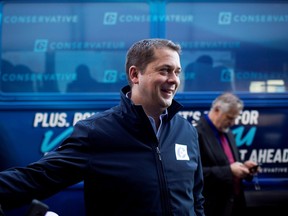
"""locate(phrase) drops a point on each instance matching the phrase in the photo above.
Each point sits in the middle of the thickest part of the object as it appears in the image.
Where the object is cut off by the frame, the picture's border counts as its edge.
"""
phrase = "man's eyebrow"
(170, 66)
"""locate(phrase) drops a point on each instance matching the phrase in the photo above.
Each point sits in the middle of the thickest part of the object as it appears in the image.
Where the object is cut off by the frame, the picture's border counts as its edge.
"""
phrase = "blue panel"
(72, 55)
(231, 47)
(69, 47)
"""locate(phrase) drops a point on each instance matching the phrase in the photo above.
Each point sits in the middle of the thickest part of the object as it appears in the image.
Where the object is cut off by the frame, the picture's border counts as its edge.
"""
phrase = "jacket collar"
(128, 105)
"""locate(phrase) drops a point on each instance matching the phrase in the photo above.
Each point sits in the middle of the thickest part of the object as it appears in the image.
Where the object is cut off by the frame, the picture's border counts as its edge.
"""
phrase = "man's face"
(225, 120)
(156, 87)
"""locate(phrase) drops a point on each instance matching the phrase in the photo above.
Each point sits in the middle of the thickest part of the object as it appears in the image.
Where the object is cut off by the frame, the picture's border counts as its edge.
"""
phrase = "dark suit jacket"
(218, 178)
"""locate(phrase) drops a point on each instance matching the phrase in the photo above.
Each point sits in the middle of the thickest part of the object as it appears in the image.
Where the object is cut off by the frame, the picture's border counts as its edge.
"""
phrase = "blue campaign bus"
(62, 61)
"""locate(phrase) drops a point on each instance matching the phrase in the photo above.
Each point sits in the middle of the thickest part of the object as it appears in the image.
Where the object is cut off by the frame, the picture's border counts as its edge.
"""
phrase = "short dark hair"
(142, 52)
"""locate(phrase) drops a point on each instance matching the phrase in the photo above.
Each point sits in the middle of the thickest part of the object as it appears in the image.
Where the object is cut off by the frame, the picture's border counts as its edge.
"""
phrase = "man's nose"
(173, 77)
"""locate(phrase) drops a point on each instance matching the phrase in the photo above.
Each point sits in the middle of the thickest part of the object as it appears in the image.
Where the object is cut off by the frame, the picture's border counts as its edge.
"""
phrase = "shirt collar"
(214, 129)
(165, 113)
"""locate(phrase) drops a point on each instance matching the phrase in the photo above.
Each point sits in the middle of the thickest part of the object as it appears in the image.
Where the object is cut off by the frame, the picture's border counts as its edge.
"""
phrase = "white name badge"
(181, 152)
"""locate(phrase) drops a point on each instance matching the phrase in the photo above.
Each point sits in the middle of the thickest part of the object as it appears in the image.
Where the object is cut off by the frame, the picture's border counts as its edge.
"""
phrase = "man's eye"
(164, 70)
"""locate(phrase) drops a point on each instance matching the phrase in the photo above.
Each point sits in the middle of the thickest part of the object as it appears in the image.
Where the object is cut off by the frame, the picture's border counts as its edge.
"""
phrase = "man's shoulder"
(202, 122)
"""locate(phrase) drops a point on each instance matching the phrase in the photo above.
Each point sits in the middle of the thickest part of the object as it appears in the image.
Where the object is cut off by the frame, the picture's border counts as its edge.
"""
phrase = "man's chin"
(167, 102)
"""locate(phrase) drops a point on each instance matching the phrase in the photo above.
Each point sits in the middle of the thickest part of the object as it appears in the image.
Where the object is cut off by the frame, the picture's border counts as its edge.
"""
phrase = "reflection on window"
(267, 86)
(209, 71)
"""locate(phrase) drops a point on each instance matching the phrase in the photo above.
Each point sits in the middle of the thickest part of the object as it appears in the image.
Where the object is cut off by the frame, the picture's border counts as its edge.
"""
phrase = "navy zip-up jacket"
(126, 170)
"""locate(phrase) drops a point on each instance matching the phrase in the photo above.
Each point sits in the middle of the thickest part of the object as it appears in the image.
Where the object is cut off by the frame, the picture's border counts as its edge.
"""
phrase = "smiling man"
(138, 158)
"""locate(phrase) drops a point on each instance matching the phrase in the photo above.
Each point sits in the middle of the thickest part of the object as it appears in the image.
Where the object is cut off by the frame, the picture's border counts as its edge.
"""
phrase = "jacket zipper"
(165, 200)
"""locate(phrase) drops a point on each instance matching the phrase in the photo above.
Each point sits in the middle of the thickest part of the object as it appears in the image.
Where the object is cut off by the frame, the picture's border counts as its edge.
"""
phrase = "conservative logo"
(181, 152)
(112, 18)
(41, 45)
(227, 18)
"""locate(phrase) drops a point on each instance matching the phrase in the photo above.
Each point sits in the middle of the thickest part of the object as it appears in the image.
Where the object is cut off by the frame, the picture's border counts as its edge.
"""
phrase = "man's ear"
(133, 74)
